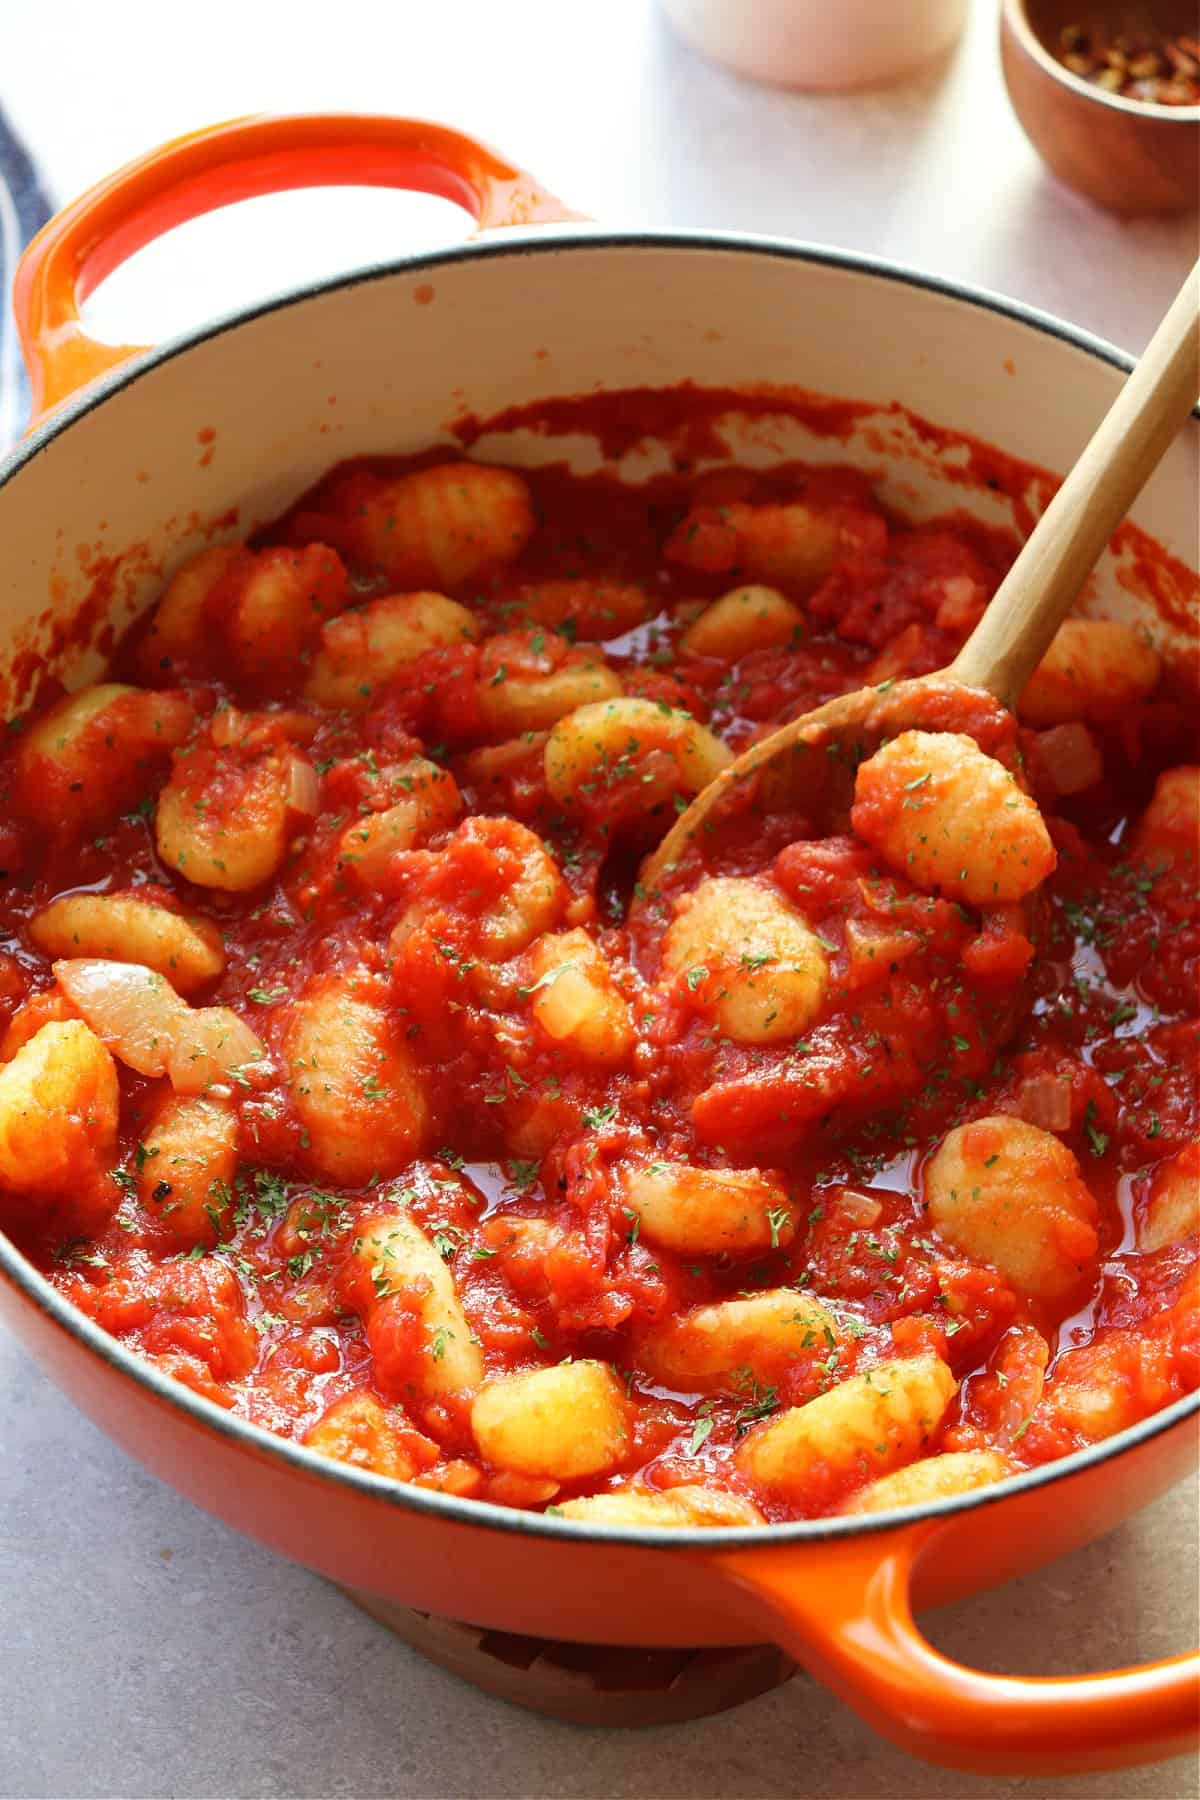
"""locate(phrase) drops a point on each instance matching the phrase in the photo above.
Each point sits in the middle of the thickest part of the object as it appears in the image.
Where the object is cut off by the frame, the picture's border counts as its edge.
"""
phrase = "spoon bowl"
(812, 760)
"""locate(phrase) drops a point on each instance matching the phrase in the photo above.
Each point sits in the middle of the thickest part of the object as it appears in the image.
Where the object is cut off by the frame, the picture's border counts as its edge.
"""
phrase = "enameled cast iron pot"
(139, 453)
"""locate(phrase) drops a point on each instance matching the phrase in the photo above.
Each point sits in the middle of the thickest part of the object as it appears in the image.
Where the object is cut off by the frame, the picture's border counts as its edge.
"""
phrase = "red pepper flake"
(1158, 69)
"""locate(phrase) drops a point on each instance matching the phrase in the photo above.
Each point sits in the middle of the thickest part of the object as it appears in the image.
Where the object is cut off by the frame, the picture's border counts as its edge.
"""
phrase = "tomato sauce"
(1072, 1011)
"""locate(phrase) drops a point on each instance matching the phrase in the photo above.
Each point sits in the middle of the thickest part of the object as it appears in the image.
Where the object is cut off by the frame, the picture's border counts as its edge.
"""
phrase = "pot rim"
(541, 241)
(242, 1434)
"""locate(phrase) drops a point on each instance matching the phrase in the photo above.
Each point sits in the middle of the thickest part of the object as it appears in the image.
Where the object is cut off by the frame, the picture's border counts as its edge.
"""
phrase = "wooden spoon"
(1033, 599)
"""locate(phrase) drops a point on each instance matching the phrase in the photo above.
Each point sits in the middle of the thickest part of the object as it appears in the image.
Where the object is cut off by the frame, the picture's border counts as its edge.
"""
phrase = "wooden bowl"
(1127, 155)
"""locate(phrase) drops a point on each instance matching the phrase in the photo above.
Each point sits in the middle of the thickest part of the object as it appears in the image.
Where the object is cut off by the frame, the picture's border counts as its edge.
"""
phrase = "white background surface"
(144, 1649)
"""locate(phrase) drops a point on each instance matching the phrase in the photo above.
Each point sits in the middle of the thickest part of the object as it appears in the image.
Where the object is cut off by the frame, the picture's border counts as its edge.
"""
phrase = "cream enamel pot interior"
(126, 479)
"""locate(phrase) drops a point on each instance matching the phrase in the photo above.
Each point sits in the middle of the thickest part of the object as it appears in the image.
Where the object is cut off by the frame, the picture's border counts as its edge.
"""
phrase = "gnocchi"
(188, 1163)
(354, 1084)
(564, 1423)
(450, 524)
(226, 816)
(789, 545)
(745, 619)
(633, 750)
(863, 1428)
(400, 1261)
(1010, 1194)
(522, 688)
(766, 1333)
(947, 816)
(97, 753)
(936, 1478)
(1171, 1211)
(748, 958)
(277, 608)
(690, 1209)
(177, 628)
(689, 1505)
(360, 651)
(1094, 670)
(429, 800)
(1169, 829)
(58, 1111)
(131, 927)
(360, 1431)
(512, 883)
(589, 611)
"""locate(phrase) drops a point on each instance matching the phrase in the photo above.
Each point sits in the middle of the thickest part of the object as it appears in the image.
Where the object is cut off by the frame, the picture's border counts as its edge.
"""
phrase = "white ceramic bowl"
(820, 44)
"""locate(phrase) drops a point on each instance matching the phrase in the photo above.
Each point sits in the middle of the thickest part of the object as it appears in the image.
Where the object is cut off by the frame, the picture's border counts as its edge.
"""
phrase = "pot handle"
(846, 1614)
(264, 154)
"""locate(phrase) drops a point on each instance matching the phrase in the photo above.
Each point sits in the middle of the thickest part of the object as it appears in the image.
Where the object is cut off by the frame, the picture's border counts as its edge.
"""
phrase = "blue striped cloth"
(24, 209)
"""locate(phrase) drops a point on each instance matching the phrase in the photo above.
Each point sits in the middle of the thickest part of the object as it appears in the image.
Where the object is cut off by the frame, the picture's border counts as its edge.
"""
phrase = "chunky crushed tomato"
(470, 1015)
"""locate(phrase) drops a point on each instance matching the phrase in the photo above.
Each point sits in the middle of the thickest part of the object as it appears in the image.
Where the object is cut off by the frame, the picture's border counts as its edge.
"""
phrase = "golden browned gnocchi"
(360, 1431)
(651, 749)
(691, 1209)
(690, 1506)
(766, 1334)
(935, 1478)
(448, 524)
(361, 649)
(132, 928)
(745, 619)
(226, 817)
(177, 628)
(400, 1261)
(1094, 670)
(863, 1428)
(277, 610)
(97, 752)
(748, 958)
(1172, 1208)
(564, 1423)
(1012, 1195)
(525, 896)
(529, 682)
(188, 1163)
(427, 799)
(588, 611)
(354, 1083)
(58, 1111)
(1169, 830)
(942, 813)
(788, 545)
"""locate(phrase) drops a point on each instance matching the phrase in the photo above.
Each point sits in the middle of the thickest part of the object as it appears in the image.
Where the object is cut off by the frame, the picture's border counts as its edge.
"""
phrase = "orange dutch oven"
(140, 456)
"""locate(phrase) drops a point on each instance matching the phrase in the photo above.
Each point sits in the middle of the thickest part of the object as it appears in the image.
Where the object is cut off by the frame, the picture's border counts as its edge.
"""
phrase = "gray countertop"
(146, 1650)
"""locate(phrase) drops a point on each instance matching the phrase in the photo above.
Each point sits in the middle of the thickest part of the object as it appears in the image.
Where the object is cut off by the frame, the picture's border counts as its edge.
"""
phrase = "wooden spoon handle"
(1038, 591)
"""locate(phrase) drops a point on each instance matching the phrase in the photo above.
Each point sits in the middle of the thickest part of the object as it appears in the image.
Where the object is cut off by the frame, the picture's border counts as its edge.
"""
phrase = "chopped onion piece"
(138, 1015)
(132, 1010)
(863, 1211)
(213, 1046)
(1070, 757)
(1043, 1100)
(229, 726)
(304, 787)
